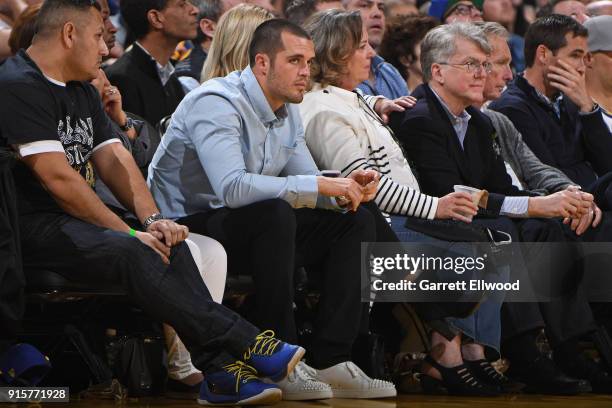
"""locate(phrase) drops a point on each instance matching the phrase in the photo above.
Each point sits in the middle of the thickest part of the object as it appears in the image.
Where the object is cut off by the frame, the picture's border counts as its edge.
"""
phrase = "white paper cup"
(470, 190)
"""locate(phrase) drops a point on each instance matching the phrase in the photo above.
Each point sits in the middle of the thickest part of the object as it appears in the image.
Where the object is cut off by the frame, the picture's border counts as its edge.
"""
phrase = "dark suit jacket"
(136, 76)
(432, 146)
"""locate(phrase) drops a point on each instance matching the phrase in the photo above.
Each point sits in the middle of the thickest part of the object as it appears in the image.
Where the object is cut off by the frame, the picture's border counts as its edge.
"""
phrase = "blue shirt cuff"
(307, 191)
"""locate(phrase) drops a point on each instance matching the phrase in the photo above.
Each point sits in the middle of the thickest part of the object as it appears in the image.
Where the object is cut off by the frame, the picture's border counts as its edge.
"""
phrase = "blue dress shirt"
(225, 147)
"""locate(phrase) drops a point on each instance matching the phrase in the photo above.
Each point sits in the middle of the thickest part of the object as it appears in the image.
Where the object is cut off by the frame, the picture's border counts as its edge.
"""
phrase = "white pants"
(211, 259)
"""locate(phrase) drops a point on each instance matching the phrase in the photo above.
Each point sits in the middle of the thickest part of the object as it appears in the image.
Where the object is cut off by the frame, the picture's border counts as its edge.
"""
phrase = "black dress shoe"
(485, 372)
(543, 377)
(579, 365)
(178, 390)
(457, 380)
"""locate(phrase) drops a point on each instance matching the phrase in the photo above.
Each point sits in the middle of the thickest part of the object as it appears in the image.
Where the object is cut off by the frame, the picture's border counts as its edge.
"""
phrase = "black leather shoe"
(485, 372)
(457, 380)
(579, 365)
(543, 377)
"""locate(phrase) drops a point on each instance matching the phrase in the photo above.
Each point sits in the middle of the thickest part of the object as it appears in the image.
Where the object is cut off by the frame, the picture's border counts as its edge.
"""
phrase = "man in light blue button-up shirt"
(234, 166)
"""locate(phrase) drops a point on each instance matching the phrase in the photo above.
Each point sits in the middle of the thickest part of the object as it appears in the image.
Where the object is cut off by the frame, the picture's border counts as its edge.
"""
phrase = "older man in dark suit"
(450, 143)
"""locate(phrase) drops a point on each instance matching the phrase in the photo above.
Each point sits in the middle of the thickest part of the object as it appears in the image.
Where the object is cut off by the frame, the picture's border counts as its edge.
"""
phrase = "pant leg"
(516, 317)
(259, 240)
(332, 242)
(211, 261)
(483, 325)
(173, 294)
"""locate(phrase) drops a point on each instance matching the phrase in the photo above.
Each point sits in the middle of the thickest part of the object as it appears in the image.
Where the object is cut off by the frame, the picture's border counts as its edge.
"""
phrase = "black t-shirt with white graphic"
(36, 113)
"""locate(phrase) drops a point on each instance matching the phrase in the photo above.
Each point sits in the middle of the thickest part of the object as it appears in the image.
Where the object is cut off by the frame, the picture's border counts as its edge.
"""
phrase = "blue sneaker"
(237, 384)
(272, 357)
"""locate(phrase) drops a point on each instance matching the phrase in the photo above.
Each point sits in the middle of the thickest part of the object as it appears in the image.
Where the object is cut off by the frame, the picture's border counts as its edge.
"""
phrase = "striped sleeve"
(335, 146)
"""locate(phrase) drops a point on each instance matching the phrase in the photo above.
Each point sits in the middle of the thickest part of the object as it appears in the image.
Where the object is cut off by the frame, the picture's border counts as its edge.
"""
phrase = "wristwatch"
(151, 219)
(129, 124)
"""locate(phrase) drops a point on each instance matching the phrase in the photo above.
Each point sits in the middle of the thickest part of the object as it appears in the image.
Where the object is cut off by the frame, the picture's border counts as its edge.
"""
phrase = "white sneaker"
(301, 385)
(348, 381)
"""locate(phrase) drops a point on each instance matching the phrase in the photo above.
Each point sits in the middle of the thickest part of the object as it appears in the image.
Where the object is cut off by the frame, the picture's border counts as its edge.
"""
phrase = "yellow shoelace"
(264, 345)
(241, 371)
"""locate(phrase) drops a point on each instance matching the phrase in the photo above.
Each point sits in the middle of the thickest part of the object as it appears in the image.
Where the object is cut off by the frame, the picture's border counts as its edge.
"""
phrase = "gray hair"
(439, 45)
(492, 28)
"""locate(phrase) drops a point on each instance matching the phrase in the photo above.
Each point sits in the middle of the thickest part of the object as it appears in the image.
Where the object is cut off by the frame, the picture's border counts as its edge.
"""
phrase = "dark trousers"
(174, 294)
(269, 239)
(566, 314)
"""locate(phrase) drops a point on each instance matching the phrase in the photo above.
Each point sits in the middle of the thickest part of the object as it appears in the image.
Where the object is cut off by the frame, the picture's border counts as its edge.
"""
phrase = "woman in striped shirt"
(343, 132)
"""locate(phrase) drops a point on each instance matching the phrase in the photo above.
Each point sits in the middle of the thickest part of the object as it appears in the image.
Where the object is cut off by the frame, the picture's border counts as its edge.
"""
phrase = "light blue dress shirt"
(225, 147)
(511, 206)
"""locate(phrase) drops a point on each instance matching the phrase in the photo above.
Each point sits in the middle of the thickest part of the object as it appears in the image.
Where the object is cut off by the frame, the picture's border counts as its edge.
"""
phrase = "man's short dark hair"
(53, 13)
(267, 38)
(208, 9)
(550, 31)
(134, 12)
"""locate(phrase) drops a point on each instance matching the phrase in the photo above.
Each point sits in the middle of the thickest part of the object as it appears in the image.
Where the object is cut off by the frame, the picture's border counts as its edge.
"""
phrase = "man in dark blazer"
(448, 142)
(144, 74)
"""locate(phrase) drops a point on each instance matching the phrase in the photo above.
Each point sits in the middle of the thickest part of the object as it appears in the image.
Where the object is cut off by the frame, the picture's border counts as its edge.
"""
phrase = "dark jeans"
(269, 239)
(174, 294)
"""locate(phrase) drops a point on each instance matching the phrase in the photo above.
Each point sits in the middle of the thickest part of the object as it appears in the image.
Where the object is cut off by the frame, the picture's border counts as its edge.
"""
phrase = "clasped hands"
(358, 187)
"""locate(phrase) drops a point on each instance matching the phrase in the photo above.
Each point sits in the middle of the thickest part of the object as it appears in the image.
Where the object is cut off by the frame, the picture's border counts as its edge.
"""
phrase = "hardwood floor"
(403, 401)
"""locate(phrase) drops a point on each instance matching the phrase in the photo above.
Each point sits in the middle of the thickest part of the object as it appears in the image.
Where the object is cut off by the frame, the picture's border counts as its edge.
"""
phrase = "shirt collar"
(463, 116)
(258, 100)
(164, 71)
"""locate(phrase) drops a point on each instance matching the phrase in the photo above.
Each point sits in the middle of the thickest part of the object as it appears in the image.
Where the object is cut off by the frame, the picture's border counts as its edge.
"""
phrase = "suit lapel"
(439, 115)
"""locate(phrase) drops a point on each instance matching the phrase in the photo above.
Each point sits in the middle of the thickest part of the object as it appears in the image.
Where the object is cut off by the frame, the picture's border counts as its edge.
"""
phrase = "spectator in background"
(110, 31)
(504, 13)
(456, 11)
(599, 64)
(229, 48)
(384, 78)
(144, 74)
(189, 70)
(400, 7)
(550, 105)
(10, 9)
(571, 8)
(401, 45)
(24, 28)
(599, 8)
(298, 11)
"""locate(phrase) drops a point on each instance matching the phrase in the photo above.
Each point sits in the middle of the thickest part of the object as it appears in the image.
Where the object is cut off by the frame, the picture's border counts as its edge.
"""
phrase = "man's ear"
(588, 60)
(156, 19)
(262, 64)
(436, 73)
(208, 27)
(68, 34)
(543, 54)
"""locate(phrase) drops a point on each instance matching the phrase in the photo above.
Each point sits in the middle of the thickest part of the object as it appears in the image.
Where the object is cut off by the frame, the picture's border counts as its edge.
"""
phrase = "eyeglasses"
(472, 66)
(465, 10)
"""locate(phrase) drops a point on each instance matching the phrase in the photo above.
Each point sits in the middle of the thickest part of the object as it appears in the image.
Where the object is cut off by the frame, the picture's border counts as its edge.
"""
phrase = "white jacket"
(343, 133)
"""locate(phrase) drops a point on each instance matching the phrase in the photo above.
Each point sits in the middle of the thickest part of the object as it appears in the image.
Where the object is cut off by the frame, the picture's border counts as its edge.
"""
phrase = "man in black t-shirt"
(52, 118)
